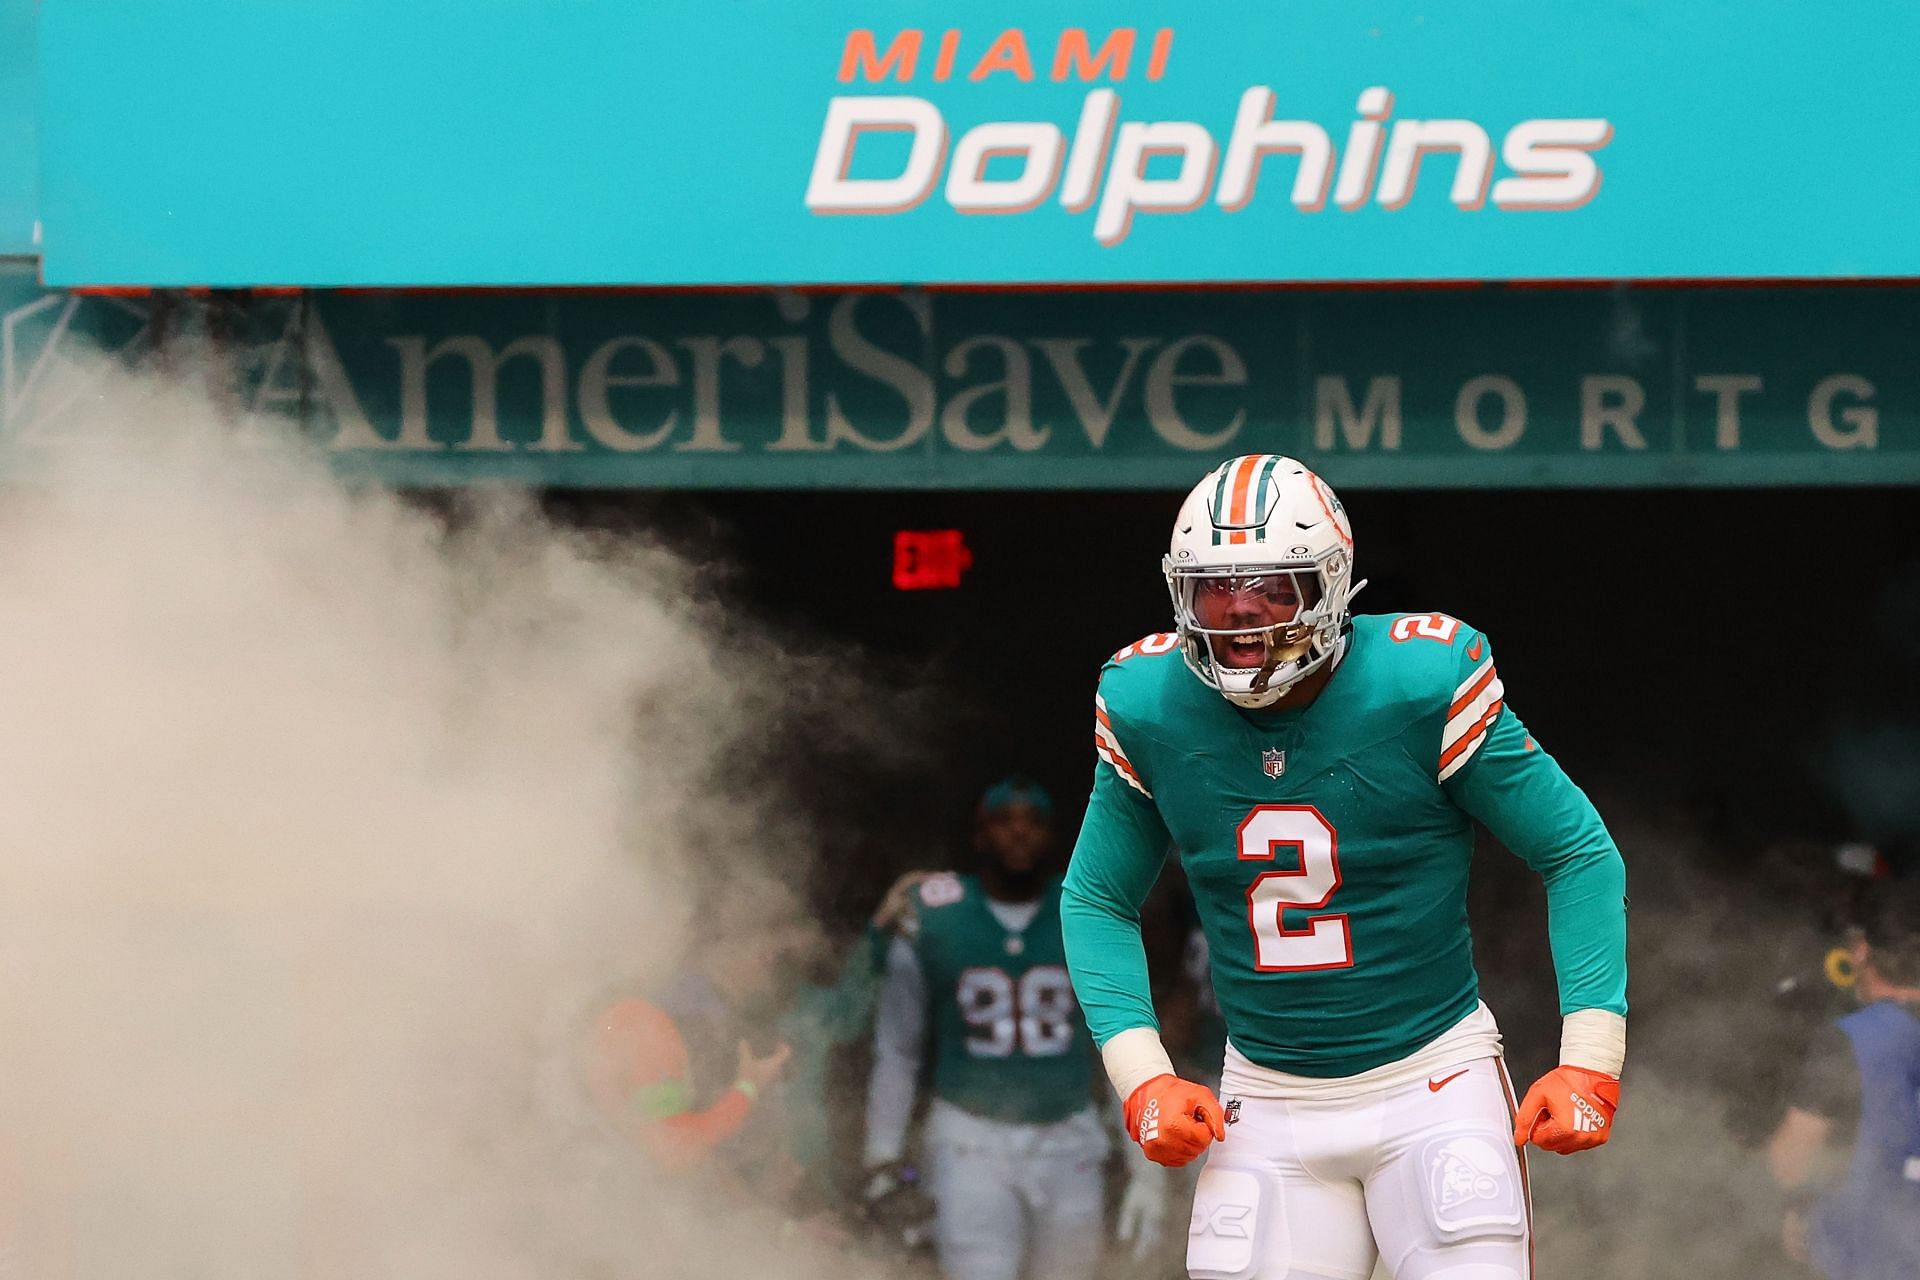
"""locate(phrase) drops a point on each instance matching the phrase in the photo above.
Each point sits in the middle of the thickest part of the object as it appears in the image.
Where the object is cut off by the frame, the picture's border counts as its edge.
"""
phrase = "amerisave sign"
(910, 389)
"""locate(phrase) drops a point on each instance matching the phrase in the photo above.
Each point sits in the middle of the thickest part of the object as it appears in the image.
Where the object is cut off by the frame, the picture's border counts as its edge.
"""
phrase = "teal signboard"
(1469, 387)
(679, 142)
(19, 128)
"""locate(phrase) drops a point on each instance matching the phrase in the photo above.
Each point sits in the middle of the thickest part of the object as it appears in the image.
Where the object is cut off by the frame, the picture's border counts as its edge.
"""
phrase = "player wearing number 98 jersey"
(1320, 773)
(1015, 1146)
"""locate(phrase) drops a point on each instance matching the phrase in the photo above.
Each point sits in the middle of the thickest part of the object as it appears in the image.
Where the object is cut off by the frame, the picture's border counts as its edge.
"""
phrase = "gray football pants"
(1016, 1200)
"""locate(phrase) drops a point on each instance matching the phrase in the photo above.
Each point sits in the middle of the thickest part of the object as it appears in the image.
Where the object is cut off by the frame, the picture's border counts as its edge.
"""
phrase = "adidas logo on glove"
(1150, 1121)
(1586, 1116)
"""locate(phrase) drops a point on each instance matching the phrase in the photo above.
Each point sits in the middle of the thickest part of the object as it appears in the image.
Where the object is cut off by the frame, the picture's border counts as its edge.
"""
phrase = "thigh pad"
(1224, 1234)
(1471, 1189)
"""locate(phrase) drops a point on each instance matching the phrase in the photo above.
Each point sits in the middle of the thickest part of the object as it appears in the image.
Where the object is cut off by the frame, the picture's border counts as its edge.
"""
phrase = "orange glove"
(1174, 1120)
(1568, 1109)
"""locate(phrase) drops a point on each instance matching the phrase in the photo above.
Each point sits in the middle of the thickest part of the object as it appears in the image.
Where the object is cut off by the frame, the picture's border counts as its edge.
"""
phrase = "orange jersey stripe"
(1117, 760)
(1106, 743)
(1465, 700)
(1472, 735)
(1110, 744)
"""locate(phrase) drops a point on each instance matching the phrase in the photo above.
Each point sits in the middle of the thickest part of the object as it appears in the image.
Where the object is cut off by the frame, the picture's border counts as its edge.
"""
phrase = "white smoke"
(1683, 1187)
(324, 820)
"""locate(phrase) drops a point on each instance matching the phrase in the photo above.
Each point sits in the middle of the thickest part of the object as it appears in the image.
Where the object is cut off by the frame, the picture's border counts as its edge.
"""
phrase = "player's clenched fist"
(1568, 1109)
(1174, 1120)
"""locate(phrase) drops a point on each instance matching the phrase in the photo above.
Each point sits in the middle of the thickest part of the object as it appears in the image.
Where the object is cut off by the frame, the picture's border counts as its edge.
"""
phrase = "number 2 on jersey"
(1325, 942)
(1428, 626)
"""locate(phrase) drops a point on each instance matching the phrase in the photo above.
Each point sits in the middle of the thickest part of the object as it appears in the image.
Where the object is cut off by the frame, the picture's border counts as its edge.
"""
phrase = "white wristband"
(1594, 1039)
(1134, 1057)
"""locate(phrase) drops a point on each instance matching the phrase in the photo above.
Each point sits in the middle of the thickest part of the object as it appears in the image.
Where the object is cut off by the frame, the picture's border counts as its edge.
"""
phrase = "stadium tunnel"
(1732, 653)
(1730, 673)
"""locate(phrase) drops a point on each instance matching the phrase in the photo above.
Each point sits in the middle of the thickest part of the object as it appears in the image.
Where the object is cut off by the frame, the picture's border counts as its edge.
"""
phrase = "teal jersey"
(1009, 1041)
(1328, 847)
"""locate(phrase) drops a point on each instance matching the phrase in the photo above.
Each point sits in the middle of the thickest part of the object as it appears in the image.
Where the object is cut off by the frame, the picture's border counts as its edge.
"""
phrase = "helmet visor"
(1249, 619)
(1234, 599)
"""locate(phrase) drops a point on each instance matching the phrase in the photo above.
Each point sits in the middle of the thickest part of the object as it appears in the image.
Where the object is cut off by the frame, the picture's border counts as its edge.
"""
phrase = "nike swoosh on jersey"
(1435, 1086)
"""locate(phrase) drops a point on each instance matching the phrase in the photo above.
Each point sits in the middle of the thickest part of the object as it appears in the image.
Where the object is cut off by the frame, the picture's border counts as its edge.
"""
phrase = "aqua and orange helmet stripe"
(1245, 506)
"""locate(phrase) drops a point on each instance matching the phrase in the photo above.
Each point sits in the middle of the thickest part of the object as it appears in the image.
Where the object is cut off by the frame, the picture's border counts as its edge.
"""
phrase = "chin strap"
(1265, 675)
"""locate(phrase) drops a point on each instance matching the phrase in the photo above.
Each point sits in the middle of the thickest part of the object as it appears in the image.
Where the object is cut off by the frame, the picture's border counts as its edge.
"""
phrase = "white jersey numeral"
(1048, 1012)
(1325, 942)
(1037, 1015)
(1428, 626)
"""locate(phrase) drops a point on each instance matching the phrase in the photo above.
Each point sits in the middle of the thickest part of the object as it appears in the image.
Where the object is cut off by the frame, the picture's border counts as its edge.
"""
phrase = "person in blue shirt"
(1861, 1082)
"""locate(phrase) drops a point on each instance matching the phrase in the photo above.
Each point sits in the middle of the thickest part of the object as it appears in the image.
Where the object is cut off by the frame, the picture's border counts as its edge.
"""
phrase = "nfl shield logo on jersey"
(1273, 762)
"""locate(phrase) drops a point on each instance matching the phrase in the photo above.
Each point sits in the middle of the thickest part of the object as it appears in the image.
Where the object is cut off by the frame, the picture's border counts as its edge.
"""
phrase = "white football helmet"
(1261, 521)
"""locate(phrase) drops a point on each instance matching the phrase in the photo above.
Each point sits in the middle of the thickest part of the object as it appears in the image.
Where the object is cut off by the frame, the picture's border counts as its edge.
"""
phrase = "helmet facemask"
(1275, 654)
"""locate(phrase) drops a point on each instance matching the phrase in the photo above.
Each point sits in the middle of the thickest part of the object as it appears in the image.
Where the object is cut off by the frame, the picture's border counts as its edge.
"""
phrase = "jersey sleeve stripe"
(1121, 767)
(1470, 717)
(1470, 690)
(1108, 746)
(1103, 732)
(1464, 715)
(1462, 751)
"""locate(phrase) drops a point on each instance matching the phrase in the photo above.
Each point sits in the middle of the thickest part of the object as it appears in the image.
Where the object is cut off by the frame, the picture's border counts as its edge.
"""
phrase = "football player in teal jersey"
(1016, 1150)
(1320, 773)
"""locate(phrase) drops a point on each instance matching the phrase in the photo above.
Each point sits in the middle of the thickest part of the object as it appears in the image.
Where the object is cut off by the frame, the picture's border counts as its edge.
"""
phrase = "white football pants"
(1015, 1200)
(1421, 1176)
